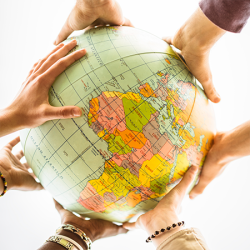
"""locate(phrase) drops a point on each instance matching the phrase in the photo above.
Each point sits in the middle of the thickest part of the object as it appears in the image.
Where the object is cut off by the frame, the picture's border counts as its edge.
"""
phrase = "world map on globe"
(145, 122)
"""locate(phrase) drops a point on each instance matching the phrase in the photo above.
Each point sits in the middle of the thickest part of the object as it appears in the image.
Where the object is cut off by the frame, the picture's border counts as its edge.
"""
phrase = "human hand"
(94, 228)
(165, 213)
(195, 39)
(31, 106)
(16, 173)
(91, 13)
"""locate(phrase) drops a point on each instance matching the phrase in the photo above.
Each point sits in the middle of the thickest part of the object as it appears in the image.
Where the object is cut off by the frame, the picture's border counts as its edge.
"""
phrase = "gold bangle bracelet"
(77, 231)
(64, 241)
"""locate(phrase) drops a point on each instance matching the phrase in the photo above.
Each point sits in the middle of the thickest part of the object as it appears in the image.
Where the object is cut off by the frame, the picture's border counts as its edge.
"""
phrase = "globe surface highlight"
(145, 122)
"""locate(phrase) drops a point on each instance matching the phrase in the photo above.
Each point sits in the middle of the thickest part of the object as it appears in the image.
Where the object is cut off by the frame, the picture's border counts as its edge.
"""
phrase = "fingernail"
(217, 98)
(191, 197)
(55, 43)
(82, 51)
(61, 45)
(74, 41)
(194, 168)
(77, 112)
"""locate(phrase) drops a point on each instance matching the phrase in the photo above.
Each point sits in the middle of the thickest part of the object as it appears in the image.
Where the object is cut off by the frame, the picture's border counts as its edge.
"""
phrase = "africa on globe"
(145, 122)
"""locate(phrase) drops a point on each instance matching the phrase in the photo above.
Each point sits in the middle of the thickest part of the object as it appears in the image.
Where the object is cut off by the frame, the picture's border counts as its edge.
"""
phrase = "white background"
(28, 29)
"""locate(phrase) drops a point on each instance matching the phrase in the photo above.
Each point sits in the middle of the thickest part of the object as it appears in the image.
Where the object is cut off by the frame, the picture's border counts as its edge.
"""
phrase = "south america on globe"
(145, 122)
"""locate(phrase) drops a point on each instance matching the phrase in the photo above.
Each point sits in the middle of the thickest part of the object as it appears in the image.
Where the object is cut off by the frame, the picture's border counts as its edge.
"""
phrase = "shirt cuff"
(230, 15)
(186, 239)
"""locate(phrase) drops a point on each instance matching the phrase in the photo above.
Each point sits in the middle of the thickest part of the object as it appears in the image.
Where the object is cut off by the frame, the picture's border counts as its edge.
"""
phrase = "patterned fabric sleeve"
(230, 15)
(187, 239)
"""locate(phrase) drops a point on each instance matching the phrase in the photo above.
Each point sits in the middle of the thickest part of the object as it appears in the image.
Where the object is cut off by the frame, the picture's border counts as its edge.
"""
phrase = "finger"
(186, 181)
(50, 75)
(58, 206)
(204, 76)
(41, 62)
(54, 57)
(168, 39)
(19, 155)
(32, 70)
(130, 225)
(28, 183)
(62, 112)
(199, 66)
(26, 165)
(60, 209)
(77, 20)
(13, 143)
(109, 229)
(210, 170)
(127, 22)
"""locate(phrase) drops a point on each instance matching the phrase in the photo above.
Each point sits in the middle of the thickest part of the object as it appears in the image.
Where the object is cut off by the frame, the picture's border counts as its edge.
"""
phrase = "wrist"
(9, 121)
(86, 227)
(198, 34)
(74, 237)
(162, 222)
(1, 186)
(7, 175)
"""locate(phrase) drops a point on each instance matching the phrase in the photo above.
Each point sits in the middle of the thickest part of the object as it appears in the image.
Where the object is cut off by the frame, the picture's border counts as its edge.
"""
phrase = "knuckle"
(63, 112)
(54, 57)
(62, 63)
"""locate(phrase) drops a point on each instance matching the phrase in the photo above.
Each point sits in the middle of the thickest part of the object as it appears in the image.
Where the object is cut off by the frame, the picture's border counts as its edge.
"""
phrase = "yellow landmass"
(147, 91)
(130, 95)
(152, 169)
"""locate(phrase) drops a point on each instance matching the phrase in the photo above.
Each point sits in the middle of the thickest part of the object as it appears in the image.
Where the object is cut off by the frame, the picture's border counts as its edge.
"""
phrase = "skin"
(95, 229)
(195, 39)
(16, 173)
(166, 212)
(91, 13)
(228, 146)
(31, 106)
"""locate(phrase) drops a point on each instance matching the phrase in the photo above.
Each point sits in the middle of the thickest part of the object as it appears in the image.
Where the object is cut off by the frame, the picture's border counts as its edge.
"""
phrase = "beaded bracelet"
(157, 233)
(4, 183)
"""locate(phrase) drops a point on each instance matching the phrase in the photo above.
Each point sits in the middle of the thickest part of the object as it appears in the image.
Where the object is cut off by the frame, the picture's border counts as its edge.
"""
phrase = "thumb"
(129, 225)
(62, 112)
(186, 181)
(168, 39)
(76, 20)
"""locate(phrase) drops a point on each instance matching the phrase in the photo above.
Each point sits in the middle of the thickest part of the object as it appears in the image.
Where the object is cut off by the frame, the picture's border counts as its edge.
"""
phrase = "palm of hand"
(16, 174)
(94, 228)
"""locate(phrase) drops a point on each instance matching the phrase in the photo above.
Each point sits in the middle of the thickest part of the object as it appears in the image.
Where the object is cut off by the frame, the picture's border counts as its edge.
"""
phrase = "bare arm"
(228, 146)
(195, 39)
(31, 106)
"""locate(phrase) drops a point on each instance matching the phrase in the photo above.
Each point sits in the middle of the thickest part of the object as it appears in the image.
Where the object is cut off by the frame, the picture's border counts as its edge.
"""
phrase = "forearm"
(156, 224)
(9, 123)
(55, 246)
(235, 143)
(198, 32)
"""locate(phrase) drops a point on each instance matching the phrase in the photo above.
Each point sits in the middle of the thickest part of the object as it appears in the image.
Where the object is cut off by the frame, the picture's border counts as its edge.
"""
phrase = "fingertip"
(56, 42)
(217, 99)
(76, 112)
(192, 197)
(193, 170)
(167, 39)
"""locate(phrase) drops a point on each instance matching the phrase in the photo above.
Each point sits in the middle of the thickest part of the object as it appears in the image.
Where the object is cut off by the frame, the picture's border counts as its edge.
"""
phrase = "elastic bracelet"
(157, 233)
(4, 184)
(64, 241)
(77, 231)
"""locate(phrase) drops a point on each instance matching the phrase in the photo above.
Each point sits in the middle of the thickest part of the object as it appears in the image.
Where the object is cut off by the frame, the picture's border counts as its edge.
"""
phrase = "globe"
(145, 122)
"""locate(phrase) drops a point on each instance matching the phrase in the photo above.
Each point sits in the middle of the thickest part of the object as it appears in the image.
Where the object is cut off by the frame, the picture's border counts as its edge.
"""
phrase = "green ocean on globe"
(145, 122)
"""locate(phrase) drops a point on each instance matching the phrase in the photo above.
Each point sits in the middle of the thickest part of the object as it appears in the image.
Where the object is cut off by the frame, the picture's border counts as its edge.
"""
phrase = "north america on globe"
(145, 122)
